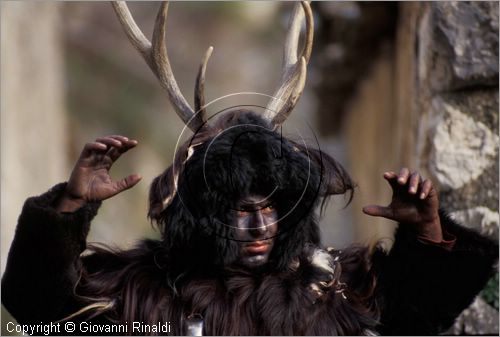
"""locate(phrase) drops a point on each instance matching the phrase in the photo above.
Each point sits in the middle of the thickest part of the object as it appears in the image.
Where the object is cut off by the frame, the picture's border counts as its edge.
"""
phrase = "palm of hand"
(90, 179)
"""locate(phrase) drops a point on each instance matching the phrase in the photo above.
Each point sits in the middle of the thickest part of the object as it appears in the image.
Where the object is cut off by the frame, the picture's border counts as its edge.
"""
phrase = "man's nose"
(258, 225)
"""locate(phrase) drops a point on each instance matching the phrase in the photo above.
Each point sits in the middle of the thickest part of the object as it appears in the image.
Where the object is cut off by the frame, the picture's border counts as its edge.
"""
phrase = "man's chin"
(254, 261)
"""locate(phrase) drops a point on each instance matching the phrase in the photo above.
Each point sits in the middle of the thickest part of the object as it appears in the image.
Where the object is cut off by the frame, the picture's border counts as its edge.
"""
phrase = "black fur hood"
(239, 156)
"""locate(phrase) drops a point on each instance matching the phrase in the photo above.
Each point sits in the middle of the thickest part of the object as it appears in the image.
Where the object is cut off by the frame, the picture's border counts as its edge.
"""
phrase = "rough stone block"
(479, 319)
(465, 44)
(481, 218)
(461, 148)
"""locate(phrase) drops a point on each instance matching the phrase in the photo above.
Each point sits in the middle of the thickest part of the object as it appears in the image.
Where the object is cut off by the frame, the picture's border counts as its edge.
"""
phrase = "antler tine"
(292, 39)
(134, 33)
(287, 95)
(199, 92)
(165, 74)
(155, 55)
(281, 115)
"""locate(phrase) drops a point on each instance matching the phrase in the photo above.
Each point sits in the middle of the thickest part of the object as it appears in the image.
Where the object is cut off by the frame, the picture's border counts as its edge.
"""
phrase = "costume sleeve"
(44, 259)
(422, 287)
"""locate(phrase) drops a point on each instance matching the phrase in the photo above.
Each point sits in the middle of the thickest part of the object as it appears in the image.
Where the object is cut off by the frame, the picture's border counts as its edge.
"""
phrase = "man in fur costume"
(240, 250)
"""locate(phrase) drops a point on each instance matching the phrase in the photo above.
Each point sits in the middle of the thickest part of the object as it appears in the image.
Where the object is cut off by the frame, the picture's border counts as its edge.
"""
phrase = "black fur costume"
(418, 288)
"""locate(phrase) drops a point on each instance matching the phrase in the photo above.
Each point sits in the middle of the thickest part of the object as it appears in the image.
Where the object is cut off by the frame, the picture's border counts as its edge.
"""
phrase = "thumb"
(127, 182)
(376, 210)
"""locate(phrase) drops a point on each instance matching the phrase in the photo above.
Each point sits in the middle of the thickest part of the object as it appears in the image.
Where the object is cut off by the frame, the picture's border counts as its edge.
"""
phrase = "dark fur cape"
(415, 289)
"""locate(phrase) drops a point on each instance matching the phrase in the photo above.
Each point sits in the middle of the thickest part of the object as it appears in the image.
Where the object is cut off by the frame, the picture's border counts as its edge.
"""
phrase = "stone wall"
(456, 95)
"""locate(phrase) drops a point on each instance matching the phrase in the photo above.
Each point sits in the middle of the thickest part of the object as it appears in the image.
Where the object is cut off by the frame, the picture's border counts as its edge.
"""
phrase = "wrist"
(68, 203)
(431, 230)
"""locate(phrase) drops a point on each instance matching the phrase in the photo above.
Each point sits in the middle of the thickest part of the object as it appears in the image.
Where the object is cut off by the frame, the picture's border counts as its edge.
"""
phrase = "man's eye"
(268, 209)
(242, 212)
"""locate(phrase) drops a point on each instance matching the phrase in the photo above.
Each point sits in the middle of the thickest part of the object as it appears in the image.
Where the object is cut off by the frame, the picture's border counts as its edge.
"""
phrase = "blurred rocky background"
(389, 85)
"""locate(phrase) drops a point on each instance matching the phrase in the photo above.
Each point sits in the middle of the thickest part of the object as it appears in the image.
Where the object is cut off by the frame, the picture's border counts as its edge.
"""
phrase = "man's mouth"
(257, 247)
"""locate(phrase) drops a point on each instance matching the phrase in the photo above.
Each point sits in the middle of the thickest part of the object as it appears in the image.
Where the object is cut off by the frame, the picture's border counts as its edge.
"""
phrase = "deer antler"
(156, 57)
(293, 74)
(285, 97)
(199, 91)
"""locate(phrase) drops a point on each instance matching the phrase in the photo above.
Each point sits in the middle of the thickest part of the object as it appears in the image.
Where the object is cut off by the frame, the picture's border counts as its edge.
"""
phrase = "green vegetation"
(490, 292)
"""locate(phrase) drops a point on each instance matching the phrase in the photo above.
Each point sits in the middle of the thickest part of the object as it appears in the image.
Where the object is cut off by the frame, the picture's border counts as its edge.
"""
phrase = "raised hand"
(414, 202)
(90, 179)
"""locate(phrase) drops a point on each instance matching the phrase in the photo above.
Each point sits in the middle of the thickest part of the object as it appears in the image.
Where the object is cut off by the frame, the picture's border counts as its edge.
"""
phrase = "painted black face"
(256, 223)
